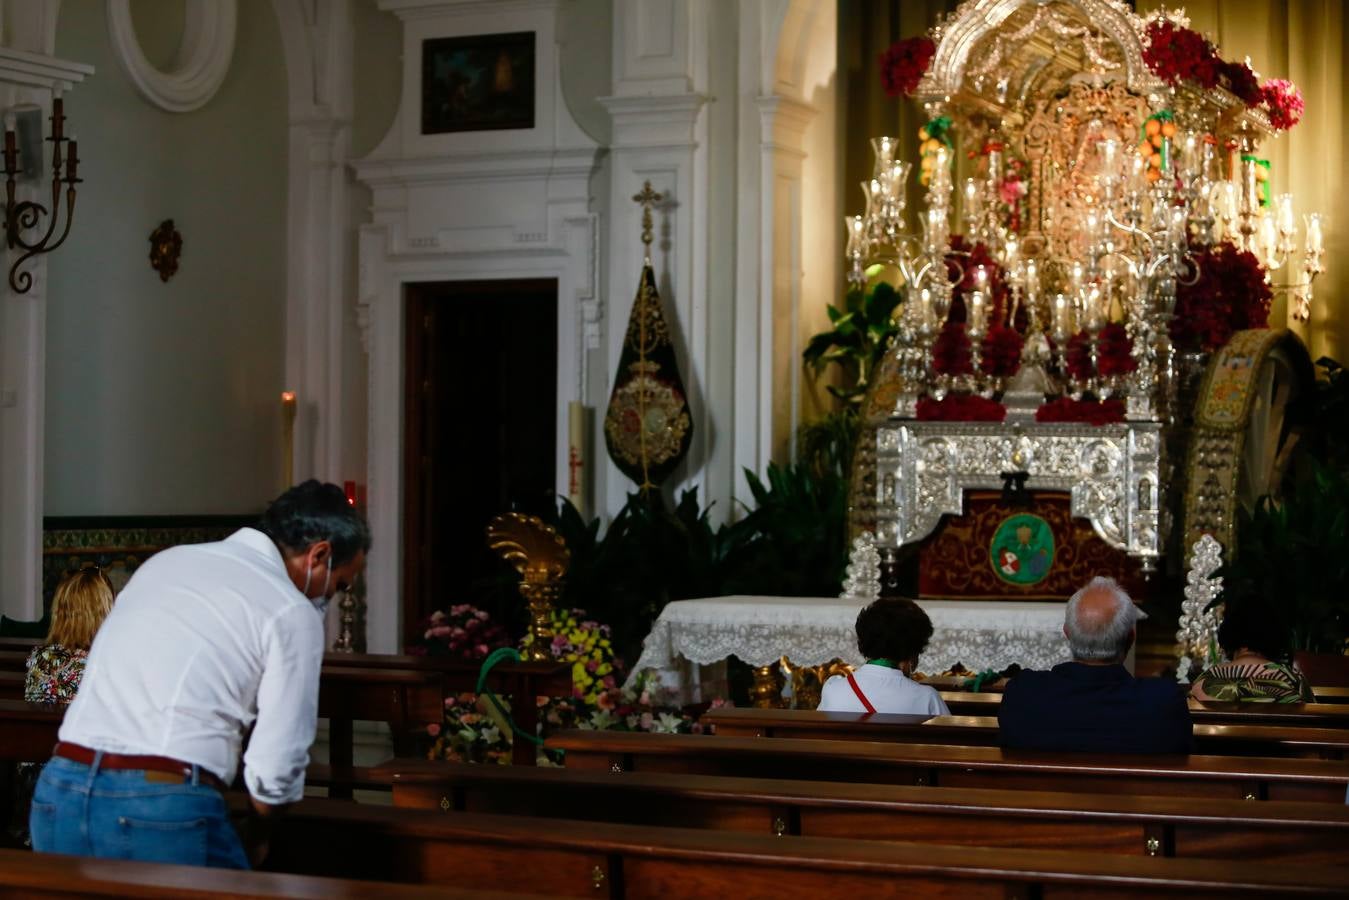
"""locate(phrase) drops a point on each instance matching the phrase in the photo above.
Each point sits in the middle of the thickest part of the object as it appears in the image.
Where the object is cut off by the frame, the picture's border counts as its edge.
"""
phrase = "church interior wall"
(162, 396)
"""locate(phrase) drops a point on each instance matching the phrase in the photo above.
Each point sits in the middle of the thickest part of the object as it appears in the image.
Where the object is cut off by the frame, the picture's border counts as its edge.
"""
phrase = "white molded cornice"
(783, 122)
(19, 67)
(425, 9)
(509, 164)
(656, 121)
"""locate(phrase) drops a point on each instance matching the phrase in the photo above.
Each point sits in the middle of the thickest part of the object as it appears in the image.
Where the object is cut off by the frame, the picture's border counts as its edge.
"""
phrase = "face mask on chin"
(321, 601)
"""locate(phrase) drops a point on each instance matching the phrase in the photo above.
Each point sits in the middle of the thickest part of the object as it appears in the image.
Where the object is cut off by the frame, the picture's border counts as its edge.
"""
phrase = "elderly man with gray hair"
(1093, 703)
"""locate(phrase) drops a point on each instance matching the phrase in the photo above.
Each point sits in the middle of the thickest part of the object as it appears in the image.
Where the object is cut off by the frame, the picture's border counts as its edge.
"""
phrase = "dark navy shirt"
(1098, 708)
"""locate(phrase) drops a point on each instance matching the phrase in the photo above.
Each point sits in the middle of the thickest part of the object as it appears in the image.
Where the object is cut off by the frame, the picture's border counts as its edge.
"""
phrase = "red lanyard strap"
(852, 683)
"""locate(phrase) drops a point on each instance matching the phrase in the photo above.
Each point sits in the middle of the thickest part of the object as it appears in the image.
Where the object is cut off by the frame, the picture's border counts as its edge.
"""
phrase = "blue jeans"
(119, 814)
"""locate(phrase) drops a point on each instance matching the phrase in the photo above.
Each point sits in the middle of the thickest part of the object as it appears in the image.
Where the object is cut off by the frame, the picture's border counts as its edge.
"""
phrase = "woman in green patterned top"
(1253, 644)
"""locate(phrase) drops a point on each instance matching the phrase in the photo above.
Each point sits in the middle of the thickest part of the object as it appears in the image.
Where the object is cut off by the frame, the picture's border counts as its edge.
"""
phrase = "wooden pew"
(1317, 715)
(27, 874)
(14, 660)
(11, 685)
(588, 859)
(1302, 833)
(1252, 778)
(28, 730)
(19, 644)
(982, 731)
(520, 680)
(404, 698)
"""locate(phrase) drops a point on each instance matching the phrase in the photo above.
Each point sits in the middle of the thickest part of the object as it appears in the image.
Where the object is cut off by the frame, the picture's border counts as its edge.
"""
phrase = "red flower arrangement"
(1176, 54)
(905, 64)
(1077, 356)
(1283, 102)
(1093, 412)
(465, 633)
(1001, 351)
(1230, 295)
(951, 351)
(960, 408)
(1114, 351)
(1241, 81)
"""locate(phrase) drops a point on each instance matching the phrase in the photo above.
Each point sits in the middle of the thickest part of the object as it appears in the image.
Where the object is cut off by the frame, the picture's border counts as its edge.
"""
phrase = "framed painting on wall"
(481, 82)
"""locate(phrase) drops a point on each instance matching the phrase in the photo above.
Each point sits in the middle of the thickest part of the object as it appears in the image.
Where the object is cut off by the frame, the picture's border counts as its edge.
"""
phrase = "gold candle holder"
(541, 557)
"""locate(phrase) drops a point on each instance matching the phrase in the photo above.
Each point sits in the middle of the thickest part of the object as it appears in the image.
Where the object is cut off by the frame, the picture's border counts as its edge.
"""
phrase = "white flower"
(667, 723)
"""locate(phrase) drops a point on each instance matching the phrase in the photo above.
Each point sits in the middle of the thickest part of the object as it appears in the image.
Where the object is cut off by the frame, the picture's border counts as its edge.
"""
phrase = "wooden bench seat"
(1316, 715)
(952, 766)
(27, 874)
(521, 680)
(982, 731)
(588, 859)
(1313, 833)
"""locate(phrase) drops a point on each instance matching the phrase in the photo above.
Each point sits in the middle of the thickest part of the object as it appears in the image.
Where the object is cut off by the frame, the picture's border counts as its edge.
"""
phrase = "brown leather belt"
(84, 755)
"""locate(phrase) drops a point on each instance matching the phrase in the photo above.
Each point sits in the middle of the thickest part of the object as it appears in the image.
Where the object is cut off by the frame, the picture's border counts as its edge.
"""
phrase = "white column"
(318, 44)
(26, 78)
(660, 136)
(777, 41)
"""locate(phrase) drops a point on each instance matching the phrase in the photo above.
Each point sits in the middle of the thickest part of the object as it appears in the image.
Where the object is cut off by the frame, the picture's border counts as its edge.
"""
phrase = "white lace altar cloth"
(809, 631)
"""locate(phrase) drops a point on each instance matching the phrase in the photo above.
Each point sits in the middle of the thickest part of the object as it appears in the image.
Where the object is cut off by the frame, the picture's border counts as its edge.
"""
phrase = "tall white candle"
(287, 439)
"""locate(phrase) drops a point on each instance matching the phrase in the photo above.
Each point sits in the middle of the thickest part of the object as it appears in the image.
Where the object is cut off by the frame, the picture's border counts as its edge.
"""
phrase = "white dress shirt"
(204, 639)
(889, 690)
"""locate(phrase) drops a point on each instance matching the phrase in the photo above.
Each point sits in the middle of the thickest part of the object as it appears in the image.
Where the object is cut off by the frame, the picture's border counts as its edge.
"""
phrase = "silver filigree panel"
(1112, 473)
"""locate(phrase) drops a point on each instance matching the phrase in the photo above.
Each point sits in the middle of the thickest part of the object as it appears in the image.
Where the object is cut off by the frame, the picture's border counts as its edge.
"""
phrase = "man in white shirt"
(204, 641)
(891, 633)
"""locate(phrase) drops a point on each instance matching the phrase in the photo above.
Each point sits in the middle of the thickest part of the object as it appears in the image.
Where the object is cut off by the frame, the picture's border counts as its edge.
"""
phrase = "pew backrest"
(1254, 778)
(1303, 833)
(587, 859)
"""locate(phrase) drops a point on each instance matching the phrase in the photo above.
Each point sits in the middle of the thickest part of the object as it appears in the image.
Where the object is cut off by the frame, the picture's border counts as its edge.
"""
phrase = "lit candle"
(884, 148)
(981, 278)
(1269, 238)
(1284, 206)
(977, 313)
(1314, 233)
(1061, 326)
(577, 456)
(926, 314)
(287, 438)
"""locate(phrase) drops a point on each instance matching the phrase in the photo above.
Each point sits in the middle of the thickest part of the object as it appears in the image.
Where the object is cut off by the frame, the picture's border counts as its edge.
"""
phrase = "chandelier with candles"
(1092, 201)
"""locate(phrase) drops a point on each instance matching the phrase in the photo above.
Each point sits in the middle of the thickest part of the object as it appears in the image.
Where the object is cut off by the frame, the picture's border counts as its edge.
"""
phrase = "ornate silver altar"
(1111, 471)
(1091, 181)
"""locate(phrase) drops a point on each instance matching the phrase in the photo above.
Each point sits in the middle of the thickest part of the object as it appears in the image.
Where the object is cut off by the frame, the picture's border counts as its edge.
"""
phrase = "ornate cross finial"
(648, 198)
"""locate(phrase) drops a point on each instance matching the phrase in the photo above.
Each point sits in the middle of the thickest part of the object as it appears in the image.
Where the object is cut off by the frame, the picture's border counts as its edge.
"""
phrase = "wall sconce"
(25, 215)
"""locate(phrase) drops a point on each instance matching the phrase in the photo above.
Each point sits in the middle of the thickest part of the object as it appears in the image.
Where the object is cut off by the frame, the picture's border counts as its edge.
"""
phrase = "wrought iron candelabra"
(24, 215)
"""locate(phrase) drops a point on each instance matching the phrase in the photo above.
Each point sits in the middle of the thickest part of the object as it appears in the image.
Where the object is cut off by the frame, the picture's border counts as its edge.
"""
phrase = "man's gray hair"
(1098, 639)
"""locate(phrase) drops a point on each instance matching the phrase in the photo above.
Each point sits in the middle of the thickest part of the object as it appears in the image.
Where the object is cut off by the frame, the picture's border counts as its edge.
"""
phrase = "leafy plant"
(1292, 562)
(862, 330)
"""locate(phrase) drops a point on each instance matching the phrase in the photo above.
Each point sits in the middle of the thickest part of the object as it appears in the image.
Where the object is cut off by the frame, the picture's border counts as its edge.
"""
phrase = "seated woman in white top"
(891, 632)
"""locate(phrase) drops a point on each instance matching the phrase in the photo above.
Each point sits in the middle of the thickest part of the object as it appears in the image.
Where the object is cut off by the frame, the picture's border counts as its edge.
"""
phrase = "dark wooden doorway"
(480, 424)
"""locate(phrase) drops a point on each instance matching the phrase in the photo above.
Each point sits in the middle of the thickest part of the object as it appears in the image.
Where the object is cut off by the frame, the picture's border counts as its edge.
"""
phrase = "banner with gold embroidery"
(647, 427)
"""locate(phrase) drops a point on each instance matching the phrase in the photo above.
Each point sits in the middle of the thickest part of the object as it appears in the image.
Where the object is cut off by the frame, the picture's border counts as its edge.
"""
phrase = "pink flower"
(605, 700)
(481, 614)
(433, 729)
(1284, 103)
(647, 721)
(481, 650)
(592, 665)
(645, 698)
(1011, 190)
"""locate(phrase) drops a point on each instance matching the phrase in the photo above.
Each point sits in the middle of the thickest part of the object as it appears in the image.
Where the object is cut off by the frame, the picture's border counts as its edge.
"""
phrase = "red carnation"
(1241, 81)
(1077, 356)
(951, 351)
(960, 408)
(905, 64)
(1229, 295)
(1114, 351)
(1093, 412)
(1284, 103)
(1176, 54)
(1001, 351)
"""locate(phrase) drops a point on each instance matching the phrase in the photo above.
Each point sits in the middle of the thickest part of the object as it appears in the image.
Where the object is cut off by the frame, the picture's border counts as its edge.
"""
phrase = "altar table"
(811, 631)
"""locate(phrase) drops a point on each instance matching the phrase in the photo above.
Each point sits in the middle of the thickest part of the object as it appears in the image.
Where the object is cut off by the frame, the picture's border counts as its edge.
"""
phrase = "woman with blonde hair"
(55, 667)
(80, 605)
